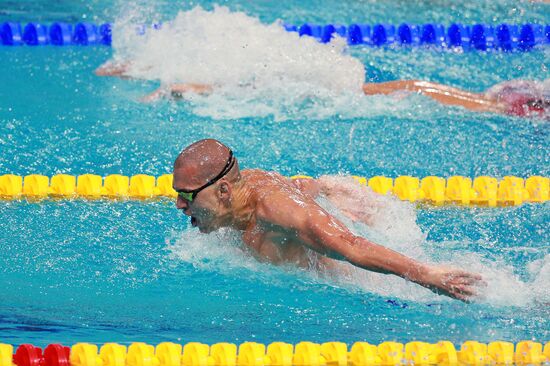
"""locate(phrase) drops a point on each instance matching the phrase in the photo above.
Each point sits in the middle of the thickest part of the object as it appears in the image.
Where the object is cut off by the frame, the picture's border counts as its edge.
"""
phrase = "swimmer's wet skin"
(279, 220)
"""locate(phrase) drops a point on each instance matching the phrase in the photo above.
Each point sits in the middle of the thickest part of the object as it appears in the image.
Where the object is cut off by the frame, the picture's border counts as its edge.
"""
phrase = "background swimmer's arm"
(325, 234)
(177, 90)
(444, 94)
(111, 68)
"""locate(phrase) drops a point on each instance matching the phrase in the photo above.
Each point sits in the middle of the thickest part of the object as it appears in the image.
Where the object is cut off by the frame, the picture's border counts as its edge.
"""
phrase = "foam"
(220, 47)
(257, 70)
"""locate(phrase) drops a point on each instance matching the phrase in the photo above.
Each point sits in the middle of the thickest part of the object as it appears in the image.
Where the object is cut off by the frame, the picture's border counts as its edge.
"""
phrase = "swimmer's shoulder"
(262, 176)
(277, 199)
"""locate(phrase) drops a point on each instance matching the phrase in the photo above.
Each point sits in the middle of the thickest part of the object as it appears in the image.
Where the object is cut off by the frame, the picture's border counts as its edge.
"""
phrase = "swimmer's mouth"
(194, 221)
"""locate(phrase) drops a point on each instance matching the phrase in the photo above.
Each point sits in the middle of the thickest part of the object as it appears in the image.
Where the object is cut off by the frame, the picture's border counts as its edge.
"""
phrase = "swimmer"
(280, 221)
(517, 97)
(521, 98)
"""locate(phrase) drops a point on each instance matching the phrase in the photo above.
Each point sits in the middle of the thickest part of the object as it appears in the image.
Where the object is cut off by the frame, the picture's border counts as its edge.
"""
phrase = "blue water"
(100, 271)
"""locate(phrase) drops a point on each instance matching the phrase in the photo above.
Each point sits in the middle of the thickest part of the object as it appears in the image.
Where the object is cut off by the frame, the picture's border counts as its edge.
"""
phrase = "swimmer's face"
(208, 208)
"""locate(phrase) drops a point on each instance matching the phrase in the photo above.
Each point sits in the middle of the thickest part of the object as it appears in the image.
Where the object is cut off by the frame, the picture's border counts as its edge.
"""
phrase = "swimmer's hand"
(453, 282)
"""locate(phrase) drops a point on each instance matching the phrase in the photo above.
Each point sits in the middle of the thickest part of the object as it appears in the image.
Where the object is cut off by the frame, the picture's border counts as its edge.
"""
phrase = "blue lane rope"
(504, 37)
(57, 34)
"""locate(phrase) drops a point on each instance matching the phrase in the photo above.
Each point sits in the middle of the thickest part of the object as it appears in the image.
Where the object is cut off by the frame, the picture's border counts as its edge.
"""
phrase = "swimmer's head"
(205, 174)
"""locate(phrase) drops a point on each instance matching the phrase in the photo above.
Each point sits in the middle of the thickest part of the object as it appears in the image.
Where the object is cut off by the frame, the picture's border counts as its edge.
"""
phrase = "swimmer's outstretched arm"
(442, 93)
(111, 68)
(323, 233)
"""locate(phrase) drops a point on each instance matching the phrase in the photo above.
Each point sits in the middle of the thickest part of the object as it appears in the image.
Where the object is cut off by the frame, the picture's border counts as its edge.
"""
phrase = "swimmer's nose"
(182, 204)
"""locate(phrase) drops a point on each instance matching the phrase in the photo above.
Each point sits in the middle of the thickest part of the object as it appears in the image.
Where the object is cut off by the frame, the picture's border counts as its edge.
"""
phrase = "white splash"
(220, 47)
(255, 69)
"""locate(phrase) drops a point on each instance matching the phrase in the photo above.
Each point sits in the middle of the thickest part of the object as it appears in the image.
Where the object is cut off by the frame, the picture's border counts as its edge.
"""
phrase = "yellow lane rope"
(483, 190)
(279, 354)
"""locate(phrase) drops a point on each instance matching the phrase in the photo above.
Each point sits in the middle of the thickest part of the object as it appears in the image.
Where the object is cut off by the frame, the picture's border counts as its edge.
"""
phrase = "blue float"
(383, 34)
(340, 30)
(327, 32)
(479, 37)
(316, 31)
(540, 35)
(61, 34)
(105, 34)
(290, 27)
(458, 36)
(85, 34)
(11, 34)
(407, 34)
(506, 37)
(35, 34)
(526, 39)
(432, 34)
(366, 31)
(355, 36)
(305, 30)
(312, 30)
(503, 37)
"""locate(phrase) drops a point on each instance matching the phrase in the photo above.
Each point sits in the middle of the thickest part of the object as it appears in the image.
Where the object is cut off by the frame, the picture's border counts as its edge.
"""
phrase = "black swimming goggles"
(191, 194)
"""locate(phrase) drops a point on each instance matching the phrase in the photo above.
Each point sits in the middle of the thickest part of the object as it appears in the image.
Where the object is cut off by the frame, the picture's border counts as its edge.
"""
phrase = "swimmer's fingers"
(468, 287)
(474, 282)
(467, 278)
(461, 285)
(455, 292)
(462, 292)
(465, 290)
(464, 274)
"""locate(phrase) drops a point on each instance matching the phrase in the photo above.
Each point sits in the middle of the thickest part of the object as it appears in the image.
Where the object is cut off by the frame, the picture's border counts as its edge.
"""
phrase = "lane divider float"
(482, 191)
(57, 34)
(482, 37)
(278, 354)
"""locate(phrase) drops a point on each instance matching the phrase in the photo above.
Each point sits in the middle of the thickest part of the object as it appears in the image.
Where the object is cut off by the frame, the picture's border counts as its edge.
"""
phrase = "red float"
(56, 355)
(28, 355)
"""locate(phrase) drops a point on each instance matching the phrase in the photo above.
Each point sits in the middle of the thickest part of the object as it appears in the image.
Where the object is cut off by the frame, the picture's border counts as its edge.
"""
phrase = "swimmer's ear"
(224, 192)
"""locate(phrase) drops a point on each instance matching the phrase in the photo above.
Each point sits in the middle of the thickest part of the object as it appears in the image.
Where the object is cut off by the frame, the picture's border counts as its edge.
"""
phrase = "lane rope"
(482, 191)
(481, 37)
(278, 354)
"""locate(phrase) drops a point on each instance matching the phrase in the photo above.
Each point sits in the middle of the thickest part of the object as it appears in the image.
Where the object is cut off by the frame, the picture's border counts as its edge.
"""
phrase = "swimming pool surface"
(101, 271)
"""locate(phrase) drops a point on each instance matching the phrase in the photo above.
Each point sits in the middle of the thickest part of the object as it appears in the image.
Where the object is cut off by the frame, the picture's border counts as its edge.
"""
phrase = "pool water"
(100, 271)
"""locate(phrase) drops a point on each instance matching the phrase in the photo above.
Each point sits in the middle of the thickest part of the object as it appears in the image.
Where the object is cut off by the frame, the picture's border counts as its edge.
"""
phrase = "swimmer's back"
(263, 183)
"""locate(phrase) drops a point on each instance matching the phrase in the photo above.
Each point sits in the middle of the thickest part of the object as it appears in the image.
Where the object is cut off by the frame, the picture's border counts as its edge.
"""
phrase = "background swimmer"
(521, 98)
